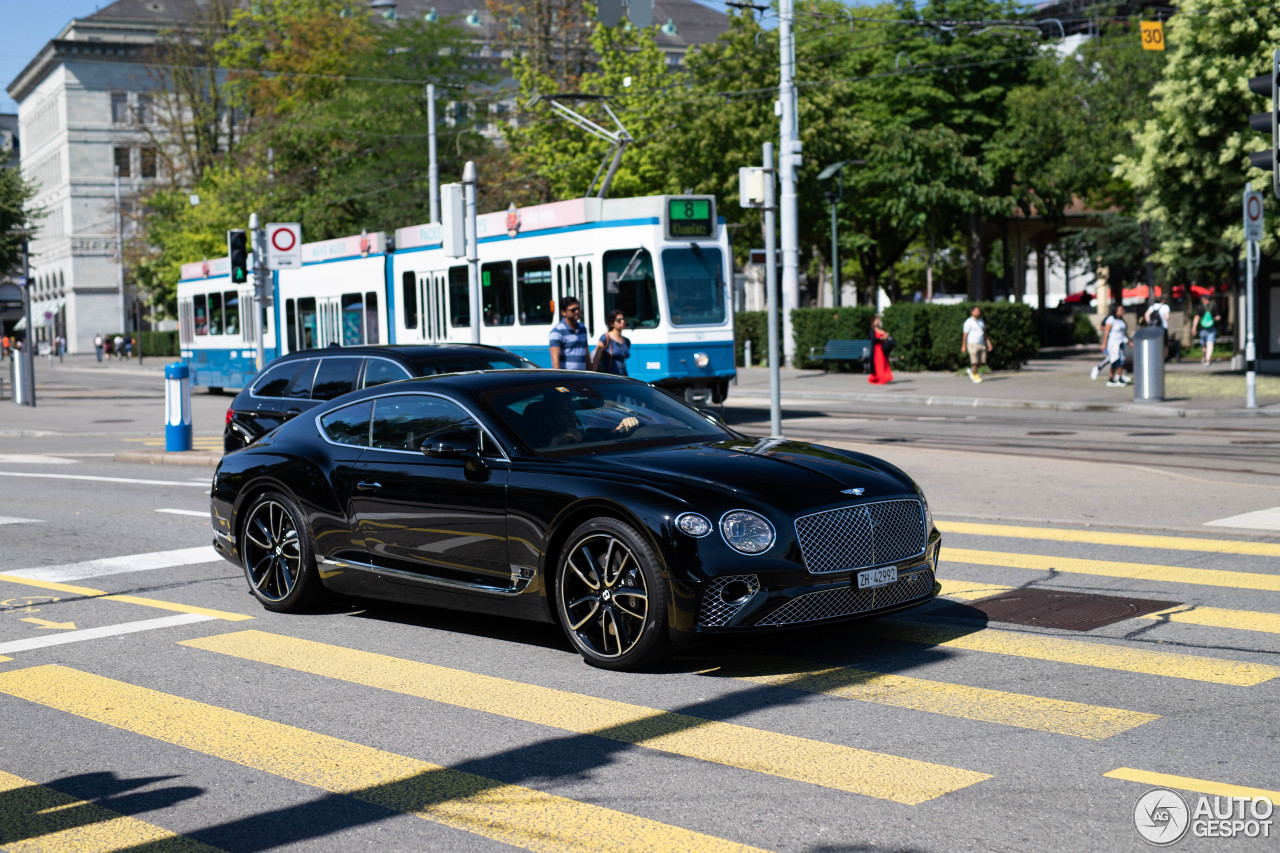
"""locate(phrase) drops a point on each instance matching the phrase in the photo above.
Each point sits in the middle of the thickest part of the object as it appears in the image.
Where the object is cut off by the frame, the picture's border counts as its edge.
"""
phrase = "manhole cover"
(1070, 611)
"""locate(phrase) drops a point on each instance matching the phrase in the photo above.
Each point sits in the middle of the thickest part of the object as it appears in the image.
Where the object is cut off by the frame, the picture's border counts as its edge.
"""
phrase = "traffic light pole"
(260, 272)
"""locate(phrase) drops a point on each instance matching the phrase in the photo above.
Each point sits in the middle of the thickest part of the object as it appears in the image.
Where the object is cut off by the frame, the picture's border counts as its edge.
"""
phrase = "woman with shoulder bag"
(881, 345)
(613, 349)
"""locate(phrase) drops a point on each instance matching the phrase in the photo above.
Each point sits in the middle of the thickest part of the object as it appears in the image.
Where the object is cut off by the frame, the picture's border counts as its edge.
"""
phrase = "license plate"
(877, 577)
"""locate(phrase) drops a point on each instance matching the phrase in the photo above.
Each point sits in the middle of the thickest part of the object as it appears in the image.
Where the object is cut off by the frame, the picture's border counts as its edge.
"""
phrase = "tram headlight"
(701, 359)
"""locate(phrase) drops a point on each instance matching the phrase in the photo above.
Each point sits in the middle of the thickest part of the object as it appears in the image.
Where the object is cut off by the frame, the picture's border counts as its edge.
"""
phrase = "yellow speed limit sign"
(1152, 35)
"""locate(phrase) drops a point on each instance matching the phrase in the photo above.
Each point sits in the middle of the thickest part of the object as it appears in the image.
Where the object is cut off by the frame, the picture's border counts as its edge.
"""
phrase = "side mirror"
(714, 417)
(455, 444)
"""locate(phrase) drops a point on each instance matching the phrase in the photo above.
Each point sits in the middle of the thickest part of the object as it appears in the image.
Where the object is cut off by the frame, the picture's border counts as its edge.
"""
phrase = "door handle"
(292, 413)
(368, 486)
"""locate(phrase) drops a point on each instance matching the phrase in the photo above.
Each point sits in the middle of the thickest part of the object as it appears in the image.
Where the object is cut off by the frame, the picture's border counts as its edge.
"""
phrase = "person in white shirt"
(1114, 339)
(974, 340)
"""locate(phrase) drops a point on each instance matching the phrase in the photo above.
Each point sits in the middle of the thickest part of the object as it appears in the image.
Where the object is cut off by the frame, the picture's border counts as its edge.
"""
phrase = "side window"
(215, 313)
(335, 377)
(276, 380)
(371, 332)
(405, 422)
(201, 312)
(380, 371)
(352, 319)
(629, 285)
(497, 301)
(349, 425)
(231, 300)
(409, 299)
(533, 288)
(300, 388)
(459, 297)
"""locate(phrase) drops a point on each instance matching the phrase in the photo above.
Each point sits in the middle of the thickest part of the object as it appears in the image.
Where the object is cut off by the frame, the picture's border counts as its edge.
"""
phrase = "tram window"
(629, 286)
(371, 318)
(695, 285)
(496, 297)
(307, 323)
(291, 325)
(459, 297)
(352, 319)
(334, 377)
(215, 313)
(533, 287)
(201, 314)
(409, 298)
(231, 301)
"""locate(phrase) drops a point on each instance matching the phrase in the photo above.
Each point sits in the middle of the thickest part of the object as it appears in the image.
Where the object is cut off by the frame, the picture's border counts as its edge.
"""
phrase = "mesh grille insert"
(846, 600)
(715, 611)
(856, 537)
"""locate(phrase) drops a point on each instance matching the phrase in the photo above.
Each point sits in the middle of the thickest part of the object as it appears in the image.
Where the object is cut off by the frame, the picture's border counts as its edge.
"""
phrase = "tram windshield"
(695, 285)
(629, 286)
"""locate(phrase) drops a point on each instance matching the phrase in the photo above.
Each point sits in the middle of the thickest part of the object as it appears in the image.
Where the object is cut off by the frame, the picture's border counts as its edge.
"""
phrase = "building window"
(122, 162)
(146, 110)
(119, 108)
(147, 164)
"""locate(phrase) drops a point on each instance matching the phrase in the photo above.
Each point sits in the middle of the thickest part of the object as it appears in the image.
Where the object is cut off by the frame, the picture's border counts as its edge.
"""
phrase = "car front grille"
(856, 537)
(715, 611)
(847, 600)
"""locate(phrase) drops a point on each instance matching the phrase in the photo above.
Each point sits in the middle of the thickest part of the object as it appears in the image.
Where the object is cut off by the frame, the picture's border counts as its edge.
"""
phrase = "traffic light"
(238, 251)
(1268, 122)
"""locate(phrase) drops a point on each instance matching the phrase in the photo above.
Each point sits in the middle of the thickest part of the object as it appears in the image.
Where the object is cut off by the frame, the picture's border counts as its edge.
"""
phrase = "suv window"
(276, 380)
(380, 371)
(300, 388)
(349, 425)
(335, 377)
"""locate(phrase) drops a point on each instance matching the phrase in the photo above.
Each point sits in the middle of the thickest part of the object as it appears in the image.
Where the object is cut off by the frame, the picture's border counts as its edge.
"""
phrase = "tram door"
(574, 277)
(432, 288)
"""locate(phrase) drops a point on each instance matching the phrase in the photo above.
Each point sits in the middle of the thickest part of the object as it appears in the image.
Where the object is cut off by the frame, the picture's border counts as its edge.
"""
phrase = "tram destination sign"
(690, 217)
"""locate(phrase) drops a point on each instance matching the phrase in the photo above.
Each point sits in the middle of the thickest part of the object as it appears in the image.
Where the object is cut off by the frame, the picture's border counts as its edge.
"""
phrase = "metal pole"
(433, 171)
(1252, 256)
(788, 162)
(473, 248)
(771, 292)
(259, 288)
(835, 259)
(124, 323)
(27, 363)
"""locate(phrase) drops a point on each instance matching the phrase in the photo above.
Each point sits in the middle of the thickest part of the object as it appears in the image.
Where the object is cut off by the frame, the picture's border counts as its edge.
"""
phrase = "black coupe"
(597, 502)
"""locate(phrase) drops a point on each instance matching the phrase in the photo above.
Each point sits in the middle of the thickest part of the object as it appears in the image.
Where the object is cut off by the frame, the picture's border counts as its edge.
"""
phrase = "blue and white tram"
(665, 261)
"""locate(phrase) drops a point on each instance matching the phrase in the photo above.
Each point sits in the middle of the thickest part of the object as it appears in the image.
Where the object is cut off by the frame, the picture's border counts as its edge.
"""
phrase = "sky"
(29, 25)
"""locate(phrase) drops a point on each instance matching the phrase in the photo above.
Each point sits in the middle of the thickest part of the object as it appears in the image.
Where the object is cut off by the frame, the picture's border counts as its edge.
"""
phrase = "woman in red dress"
(880, 372)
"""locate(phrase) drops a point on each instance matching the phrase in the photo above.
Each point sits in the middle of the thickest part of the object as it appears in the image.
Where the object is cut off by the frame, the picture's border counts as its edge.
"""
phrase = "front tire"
(279, 563)
(610, 598)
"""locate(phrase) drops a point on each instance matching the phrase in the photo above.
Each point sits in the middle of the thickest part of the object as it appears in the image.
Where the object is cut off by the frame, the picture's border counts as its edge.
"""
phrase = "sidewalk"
(1058, 380)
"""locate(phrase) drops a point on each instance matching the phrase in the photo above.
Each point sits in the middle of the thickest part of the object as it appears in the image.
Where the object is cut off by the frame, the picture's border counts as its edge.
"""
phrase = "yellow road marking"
(1093, 722)
(1186, 783)
(1129, 540)
(1101, 655)
(902, 780)
(128, 599)
(512, 814)
(970, 590)
(1133, 571)
(36, 819)
(1218, 617)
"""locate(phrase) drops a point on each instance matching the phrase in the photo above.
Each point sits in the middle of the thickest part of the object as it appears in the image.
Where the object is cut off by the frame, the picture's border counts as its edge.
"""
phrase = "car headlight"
(701, 359)
(747, 532)
(693, 524)
(928, 515)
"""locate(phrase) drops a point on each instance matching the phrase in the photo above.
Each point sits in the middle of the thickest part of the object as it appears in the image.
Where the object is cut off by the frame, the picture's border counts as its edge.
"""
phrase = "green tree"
(17, 217)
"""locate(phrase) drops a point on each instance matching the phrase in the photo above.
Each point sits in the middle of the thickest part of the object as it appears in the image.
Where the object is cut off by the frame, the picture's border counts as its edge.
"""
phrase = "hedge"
(927, 334)
(153, 344)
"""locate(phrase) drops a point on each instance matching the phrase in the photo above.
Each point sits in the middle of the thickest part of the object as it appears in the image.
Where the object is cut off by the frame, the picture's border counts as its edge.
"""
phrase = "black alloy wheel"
(278, 561)
(610, 598)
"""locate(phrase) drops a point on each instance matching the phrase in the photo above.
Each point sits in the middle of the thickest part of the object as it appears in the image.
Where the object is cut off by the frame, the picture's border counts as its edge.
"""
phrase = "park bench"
(844, 350)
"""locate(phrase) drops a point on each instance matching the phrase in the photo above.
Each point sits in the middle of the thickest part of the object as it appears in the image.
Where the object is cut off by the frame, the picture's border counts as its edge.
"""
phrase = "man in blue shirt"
(569, 338)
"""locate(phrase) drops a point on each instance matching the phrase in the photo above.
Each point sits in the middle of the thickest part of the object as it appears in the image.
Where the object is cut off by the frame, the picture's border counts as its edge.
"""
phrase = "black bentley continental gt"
(597, 502)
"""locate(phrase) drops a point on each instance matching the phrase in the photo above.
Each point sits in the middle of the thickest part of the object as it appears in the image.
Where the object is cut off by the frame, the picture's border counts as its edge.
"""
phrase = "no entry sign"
(284, 245)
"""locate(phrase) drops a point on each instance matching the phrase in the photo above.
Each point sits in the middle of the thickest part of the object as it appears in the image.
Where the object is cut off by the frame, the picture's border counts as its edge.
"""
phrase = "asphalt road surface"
(150, 704)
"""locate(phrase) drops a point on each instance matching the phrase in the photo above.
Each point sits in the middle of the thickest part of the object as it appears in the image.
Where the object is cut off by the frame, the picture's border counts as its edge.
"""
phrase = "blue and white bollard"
(177, 406)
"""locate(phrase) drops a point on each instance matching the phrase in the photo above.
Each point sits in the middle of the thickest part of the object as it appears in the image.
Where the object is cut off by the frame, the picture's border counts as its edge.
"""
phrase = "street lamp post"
(834, 197)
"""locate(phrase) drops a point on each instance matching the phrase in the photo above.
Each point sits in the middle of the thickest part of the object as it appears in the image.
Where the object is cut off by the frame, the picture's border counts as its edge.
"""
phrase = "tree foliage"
(17, 217)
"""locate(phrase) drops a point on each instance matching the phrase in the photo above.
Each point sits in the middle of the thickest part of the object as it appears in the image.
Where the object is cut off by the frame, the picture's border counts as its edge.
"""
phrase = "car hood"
(790, 475)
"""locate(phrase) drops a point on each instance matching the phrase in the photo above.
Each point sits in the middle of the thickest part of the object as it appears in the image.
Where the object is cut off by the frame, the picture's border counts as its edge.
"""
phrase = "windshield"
(695, 285)
(598, 414)
(629, 287)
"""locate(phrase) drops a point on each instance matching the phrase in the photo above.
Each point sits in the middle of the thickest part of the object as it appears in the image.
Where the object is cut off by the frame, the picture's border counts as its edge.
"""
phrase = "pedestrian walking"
(1206, 325)
(568, 339)
(97, 346)
(975, 341)
(4, 346)
(881, 374)
(1115, 338)
(128, 347)
(613, 348)
(117, 346)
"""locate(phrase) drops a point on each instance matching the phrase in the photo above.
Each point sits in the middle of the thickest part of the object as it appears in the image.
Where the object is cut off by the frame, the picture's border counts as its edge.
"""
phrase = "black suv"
(294, 383)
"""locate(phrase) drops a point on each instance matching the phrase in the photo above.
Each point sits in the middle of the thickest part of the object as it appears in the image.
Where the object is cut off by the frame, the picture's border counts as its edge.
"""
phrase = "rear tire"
(279, 562)
(610, 597)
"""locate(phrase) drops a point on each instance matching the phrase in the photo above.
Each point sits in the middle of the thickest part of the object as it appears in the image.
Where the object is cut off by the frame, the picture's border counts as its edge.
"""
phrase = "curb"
(200, 458)
(1149, 409)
